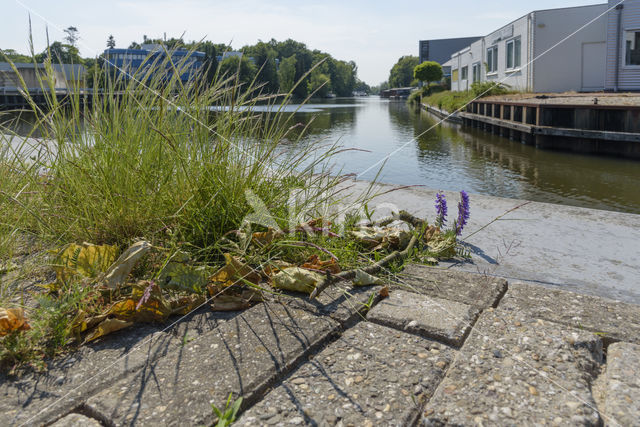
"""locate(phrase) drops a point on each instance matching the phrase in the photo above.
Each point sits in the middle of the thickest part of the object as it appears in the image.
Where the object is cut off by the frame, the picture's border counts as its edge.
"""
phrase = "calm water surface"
(451, 157)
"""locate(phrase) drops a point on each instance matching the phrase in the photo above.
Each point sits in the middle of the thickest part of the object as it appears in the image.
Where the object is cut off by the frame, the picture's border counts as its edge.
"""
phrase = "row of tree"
(278, 66)
(408, 71)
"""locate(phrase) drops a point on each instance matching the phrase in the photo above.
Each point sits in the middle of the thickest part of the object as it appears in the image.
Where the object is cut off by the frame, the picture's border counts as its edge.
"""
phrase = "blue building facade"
(132, 61)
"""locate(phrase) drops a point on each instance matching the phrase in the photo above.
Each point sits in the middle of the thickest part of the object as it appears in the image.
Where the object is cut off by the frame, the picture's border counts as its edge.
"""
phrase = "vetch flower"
(463, 212)
(441, 209)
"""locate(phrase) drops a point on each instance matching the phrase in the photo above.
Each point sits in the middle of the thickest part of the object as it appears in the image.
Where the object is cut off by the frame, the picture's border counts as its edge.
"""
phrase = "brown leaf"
(266, 237)
(315, 263)
(384, 292)
(185, 304)
(12, 319)
(234, 272)
(106, 327)
(233, 298)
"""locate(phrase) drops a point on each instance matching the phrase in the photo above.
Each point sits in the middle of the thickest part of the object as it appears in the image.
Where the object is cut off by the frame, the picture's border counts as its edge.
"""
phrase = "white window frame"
(511, 45)
(492, 66)
(624, 48)
(476, 76)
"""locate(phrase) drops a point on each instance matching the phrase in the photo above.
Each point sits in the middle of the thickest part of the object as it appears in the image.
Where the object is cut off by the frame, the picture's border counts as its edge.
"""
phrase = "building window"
(454, 76)
(492, 59)
(475, 71)
(464, 73)
(513, 53)
(632, 47)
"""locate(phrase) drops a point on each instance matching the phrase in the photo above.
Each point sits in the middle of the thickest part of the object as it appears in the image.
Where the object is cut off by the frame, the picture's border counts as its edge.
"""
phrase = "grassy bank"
(454, 100)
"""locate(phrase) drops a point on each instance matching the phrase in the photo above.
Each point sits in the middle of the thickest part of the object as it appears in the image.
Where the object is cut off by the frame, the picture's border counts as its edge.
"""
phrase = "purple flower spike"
(463, 212)
(441, 209)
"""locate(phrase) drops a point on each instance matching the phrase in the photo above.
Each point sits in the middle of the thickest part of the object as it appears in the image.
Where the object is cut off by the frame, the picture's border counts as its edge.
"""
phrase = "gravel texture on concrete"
(437, 318)
(514, 370)
(612, 320)
(243, 356)
(39, 397)
(621, 385)
(371, 375)
(342, 302)
(76, 420)
(468, 288)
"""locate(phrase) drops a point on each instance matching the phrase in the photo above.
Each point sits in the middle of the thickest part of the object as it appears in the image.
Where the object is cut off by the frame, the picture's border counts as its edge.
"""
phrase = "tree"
(319, 82)
(287, 74)
(60, 53)
(401, 74)
(72, 35)
(240, 67)
(428, 71)
(111, 42)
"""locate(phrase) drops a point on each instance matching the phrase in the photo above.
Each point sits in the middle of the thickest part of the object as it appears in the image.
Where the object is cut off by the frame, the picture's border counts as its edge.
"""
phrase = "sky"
(372, 33)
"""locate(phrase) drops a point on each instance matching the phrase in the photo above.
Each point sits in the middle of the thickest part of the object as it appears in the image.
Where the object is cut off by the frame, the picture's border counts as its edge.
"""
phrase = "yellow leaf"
(154, 309)
(235, 272)
(86, 260)
(12, 319)
(297, 279)
(106, 327)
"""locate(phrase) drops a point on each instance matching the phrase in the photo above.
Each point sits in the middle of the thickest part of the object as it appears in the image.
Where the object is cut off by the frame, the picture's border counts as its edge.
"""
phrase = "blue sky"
(372, 33)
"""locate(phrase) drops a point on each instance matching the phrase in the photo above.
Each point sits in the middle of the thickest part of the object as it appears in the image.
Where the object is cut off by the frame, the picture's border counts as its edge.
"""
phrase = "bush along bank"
(183, 208)
(452, 101)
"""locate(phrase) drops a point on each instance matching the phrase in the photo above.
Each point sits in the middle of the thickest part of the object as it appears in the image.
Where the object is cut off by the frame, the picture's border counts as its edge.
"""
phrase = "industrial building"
(585, 48)
(440, 50)
(131, 61)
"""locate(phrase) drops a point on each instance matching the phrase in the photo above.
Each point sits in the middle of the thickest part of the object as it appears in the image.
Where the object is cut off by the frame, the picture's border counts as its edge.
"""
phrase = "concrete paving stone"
(34, 398)
(37, 397)
(612, 320)
(621, 385)
(76, 420)
(342, 302)
(371, 375)
(436, 318)
(468, 288)
(514, 370)
(243, 356)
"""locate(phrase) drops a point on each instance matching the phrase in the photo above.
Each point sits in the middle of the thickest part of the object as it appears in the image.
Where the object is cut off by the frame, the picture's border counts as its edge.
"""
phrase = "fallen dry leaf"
(264, 238)
(106, 327)
(297, 279)
(154, 309)
(384, 292)
(86, 260)
(233, 298)
(315, 263)
(12, 319)
(363, 278)
(234, 272)
(119, 270)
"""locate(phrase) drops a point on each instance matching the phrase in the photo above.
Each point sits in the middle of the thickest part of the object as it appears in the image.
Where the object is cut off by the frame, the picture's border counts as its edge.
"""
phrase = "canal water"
(451, 157)
(413, 148)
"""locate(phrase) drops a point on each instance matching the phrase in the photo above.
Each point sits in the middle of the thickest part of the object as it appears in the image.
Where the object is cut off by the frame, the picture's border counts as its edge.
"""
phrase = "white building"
(623, 46)
(544, 51)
